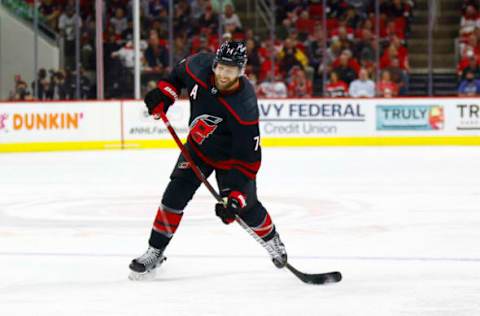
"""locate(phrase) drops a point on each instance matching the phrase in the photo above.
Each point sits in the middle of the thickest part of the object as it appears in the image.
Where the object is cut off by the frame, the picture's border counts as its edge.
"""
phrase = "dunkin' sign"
(45, 121)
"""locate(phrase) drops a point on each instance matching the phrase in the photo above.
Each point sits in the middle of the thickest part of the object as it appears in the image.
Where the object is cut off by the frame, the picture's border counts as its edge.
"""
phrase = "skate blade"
(146, 276)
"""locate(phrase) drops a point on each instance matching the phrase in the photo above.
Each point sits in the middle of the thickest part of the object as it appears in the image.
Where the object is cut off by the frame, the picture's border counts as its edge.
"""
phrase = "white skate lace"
(150, 256)
(276, 248)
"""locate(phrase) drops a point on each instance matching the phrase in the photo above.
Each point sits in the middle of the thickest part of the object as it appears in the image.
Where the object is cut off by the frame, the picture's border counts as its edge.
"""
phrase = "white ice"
(401, 223)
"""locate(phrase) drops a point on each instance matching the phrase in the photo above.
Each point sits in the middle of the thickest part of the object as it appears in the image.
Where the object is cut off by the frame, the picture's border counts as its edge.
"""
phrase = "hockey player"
(224, 137)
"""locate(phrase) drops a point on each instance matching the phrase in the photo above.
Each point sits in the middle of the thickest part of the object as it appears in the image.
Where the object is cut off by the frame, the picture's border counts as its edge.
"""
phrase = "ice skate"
(278, 252)
(144, 267)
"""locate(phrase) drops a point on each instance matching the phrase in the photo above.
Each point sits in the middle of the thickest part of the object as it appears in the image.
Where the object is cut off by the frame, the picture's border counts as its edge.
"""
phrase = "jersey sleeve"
(246, 153)
(177, 76)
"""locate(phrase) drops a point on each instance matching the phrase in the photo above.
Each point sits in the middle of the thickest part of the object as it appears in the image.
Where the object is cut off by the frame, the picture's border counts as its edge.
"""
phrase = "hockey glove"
(159, 99)
(236, 201)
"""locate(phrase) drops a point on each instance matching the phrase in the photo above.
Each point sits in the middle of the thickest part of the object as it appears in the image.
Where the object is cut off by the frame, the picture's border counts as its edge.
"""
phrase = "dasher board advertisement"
(59, 122)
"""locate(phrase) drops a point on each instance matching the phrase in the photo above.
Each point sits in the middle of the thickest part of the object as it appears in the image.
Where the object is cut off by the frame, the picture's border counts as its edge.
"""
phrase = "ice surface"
(402, 224)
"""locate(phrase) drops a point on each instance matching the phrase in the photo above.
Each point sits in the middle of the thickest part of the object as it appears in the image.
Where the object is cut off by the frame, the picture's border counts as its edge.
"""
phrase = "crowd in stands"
(468, 68)
(54, 85)
(351, 46)
(306, 62)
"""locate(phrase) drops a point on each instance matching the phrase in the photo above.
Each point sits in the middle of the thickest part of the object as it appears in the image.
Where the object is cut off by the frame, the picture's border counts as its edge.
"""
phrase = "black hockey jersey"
(224, 131)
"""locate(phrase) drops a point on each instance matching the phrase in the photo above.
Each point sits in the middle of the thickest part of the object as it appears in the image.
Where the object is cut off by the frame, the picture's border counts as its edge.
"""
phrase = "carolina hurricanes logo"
(203, 126)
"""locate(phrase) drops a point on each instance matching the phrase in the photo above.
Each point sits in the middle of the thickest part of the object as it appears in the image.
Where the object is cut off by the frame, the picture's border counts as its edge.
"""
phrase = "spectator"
(203, 46)
(181, 49)
(363, 87)
(160, 24)
(399, 9)
(470, 20)
(126, 55)
(337, 8)
(85, 86)
(305, 25)
(345, 68)
(66, 25)
(352, 19)
(299, 86)
(272, 88)
(208, 19)
(386, 87)
(229, 17)
(394, 28)
(235, 33)
(113, 5)
(125, 81)
(112, 65)
(216, 5)
(119, 21)
(370, 67)
(253, 65)
(471, 44)
(153, 8)
(87, 52)
(315, 49)
(156, 56)
(336, 87)
(364, 49)
(181, 21)
(42, 83)
(127, 34)
(470, 59)
(470, 86)
(402, 53)
(51, 12)
(285, 29)
(361, 6)
(58, 89)
(332, 54)
(391, 53)
(344, 35)
(399, 76)
(197, 8)
(290, 56)
(265, 53)
(250, 35)
(296, 41)
(473, 67)
(21, 91)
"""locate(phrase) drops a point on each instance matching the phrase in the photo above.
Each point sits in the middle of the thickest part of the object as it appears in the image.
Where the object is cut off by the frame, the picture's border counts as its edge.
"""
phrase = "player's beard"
(225, 86)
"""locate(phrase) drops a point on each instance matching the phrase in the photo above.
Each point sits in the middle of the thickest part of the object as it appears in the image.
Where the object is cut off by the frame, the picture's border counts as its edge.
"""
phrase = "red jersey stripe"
(225, 164)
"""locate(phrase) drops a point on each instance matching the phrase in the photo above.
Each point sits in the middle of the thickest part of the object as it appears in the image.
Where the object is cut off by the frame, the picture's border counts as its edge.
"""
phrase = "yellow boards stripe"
(266, 142)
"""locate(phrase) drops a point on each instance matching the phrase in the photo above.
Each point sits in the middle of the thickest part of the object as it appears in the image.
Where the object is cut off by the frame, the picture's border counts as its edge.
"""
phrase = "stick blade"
(318, 278)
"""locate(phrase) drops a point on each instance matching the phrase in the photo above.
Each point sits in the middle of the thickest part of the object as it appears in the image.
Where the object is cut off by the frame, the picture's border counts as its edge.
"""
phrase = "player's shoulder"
(199, 67)
(200, 61)
(244, 103)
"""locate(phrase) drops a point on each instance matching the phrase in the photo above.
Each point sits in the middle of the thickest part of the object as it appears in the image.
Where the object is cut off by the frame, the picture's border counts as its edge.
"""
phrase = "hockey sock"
(164, 227)
(260, 221)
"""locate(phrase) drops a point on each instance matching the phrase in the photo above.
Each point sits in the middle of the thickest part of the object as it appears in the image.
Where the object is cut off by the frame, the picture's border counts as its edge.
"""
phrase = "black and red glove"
(161, 98)
(236, 201)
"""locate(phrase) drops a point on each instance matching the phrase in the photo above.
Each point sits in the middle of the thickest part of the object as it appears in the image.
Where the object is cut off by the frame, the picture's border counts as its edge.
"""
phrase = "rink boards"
(81, 125)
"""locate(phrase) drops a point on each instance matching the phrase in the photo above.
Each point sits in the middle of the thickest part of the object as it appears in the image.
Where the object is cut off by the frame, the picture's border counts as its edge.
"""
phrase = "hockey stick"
(319, 278)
